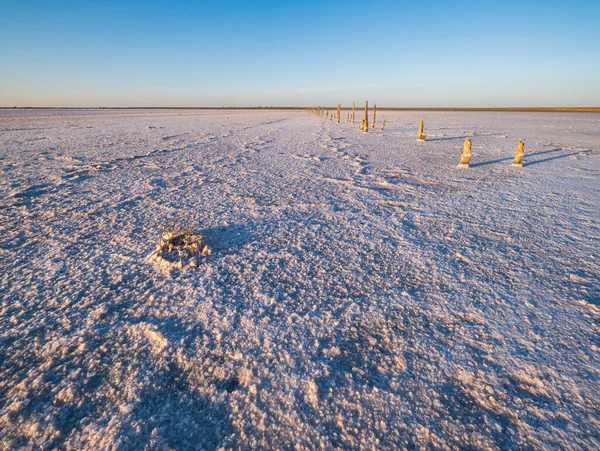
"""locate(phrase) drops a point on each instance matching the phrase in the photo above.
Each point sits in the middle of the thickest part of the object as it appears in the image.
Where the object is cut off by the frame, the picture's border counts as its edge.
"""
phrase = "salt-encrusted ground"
(362, 291)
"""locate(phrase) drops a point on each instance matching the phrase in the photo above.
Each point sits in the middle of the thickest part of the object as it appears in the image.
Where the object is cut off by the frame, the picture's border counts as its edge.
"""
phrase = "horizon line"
(501, 109)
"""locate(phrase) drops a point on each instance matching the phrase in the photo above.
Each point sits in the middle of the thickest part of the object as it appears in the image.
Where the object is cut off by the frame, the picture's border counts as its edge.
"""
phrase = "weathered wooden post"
(353, 108)
(339, 112)
(366, 119)
(421, 135)
(519, 155)
(383, 125)
(374, 114)
(331, 117)
(466, 154)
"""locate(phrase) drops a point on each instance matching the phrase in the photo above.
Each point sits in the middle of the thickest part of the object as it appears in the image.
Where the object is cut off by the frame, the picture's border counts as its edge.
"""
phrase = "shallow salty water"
(361, 292)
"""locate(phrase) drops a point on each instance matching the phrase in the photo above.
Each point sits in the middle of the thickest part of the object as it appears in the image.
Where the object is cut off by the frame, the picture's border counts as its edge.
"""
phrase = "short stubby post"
(519, 155)
(466, 154)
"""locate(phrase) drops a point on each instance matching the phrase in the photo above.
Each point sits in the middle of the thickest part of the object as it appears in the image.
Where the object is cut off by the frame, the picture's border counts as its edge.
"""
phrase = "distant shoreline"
(331, 108)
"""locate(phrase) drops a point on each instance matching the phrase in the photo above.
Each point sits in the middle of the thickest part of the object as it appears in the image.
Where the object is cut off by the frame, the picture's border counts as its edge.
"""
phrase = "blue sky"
(280, 53)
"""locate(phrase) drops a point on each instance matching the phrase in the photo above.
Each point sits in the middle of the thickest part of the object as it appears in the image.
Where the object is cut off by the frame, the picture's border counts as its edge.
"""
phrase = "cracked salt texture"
(361, 293)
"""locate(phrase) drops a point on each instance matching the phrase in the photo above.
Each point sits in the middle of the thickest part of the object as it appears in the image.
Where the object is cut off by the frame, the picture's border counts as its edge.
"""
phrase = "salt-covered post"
(519, 155)
(383, 125)
(331, 117)
(466, 154)
(374, 114)
(353, 108)
(366, 125)
(339, 112)
(421, 135)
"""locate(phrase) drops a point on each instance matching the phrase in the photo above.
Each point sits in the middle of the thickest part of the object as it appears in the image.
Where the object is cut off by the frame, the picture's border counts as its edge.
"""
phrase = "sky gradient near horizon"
(300, 53)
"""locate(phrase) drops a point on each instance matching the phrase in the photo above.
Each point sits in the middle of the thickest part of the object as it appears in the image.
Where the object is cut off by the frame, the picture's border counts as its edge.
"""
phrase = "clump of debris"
(179, 245)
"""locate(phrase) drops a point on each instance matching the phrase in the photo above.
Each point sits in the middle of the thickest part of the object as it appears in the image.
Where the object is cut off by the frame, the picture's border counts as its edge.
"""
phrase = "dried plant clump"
(179, 246)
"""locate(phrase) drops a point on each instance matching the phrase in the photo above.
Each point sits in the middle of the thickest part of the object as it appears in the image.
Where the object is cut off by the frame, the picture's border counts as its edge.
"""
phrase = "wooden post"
(519, 155)
(353, 108)
(366, 127)
(421, 136)
(466, 154)
(383, 125)
(331, 117)
(374, 114)
(339, 112)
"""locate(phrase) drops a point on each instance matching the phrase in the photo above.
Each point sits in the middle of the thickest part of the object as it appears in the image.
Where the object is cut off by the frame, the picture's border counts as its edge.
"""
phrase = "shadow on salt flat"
(222, 239)
(448, 138)
(528, 162)
(545, 160)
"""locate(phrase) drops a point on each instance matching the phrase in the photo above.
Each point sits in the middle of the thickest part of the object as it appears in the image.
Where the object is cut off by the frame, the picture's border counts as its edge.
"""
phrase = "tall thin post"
(339, 112)
(366, 129)
(353, 108)
(374, 114)
(421, 135)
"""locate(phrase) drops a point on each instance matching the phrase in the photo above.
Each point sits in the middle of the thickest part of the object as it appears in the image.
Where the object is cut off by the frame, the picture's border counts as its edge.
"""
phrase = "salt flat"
(362, 292)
